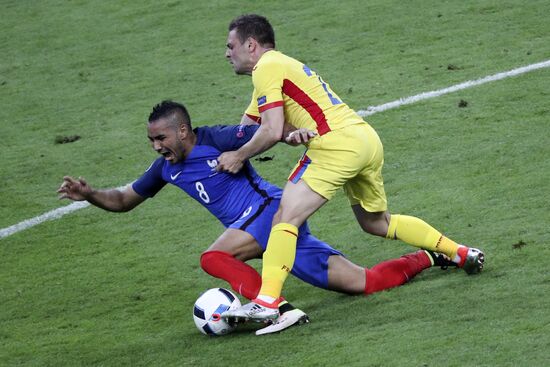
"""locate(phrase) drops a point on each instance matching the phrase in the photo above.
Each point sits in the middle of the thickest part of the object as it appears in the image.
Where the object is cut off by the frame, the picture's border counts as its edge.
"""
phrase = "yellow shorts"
(352, 158)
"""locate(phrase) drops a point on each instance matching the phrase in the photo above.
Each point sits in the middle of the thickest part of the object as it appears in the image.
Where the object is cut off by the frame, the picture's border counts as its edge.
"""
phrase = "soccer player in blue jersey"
(245, 204)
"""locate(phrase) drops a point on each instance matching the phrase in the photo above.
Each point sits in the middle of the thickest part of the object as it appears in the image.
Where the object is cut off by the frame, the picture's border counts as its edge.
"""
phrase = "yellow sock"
(418, 233)
(278, 258)
(447, 247)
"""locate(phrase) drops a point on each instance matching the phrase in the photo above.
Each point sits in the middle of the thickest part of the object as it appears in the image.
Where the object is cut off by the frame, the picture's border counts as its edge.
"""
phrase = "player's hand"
(229, 162)
(74, 189)
(299, 136)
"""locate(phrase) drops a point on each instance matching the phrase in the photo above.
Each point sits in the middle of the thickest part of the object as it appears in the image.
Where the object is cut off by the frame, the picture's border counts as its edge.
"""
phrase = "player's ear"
(183, 131)
(252, 44)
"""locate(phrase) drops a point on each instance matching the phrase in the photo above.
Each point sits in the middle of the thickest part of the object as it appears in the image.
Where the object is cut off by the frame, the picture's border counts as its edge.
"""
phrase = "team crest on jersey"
(240, 131)
(212, 163)
(262, 100)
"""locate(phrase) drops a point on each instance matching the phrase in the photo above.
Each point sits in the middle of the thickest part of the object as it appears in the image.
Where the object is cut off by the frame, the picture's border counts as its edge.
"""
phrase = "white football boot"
(290, 318)
(257, 310)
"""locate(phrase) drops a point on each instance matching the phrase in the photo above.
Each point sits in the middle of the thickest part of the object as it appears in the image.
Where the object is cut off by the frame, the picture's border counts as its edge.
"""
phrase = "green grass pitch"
(77, 81)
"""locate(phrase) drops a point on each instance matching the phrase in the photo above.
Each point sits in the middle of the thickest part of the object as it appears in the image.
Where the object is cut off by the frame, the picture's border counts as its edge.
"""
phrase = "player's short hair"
(173, 111)
(255, 26)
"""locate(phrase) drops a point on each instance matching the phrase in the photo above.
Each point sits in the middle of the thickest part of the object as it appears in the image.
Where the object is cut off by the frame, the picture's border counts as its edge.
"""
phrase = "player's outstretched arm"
(113, 200)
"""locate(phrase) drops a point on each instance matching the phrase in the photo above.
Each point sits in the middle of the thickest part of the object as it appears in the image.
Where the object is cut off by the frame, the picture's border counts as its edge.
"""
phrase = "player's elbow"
(124, 209)
(274, 134)
(126, 206)
(115, 208)
(128, 200)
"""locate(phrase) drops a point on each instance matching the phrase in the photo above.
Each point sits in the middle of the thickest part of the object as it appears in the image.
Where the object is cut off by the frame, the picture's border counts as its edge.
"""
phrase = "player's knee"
(291, 215)
(276, 217)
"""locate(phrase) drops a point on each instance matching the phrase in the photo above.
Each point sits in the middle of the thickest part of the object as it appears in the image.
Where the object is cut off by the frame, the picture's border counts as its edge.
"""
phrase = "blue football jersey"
(225, 195)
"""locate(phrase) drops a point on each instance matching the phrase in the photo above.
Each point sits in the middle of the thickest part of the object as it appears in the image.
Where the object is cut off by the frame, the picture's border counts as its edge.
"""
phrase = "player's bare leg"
(239, 244)
(345, 276)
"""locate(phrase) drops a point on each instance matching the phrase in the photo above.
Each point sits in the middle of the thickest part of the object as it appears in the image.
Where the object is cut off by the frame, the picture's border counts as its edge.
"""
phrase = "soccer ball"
(208, 308)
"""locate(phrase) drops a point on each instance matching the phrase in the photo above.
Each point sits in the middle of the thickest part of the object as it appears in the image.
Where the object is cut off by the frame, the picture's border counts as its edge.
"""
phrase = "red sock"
(243, 278)
(395, 272)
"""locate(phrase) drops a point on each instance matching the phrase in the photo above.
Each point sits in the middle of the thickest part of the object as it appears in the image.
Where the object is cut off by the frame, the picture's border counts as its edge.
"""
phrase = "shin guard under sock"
(278, 258)
(243, 278)
(395, 272)
(418, 233)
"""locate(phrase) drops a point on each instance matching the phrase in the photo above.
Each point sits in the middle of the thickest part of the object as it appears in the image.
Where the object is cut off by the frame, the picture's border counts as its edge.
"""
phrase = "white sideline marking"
(371, 110)
(51, 215)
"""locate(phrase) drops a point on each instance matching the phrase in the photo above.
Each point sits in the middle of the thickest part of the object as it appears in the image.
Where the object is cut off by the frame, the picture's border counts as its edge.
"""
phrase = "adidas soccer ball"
(208, 308)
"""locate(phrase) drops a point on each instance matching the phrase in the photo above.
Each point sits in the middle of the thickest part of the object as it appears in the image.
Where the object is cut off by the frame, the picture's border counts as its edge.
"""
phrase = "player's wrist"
(89, 195)
(243, 154)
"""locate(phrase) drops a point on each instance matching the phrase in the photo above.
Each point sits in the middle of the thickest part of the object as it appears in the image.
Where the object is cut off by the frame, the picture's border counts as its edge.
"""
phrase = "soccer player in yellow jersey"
(342, 151)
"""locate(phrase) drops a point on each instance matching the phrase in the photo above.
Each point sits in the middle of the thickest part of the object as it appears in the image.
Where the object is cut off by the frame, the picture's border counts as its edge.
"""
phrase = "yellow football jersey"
(307, 99)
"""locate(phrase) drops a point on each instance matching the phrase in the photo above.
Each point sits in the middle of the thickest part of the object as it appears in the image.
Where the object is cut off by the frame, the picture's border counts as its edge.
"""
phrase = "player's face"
(238, 54)
(166, 140)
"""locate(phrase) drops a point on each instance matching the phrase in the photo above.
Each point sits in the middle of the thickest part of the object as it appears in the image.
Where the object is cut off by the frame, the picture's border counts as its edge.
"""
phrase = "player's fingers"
(236, 167)
(293, 137)
(64, 186)
(220, 167)
(233, 169)
(70, 183)
(309, 133)
(69, 179)
(300, 138)
(304, 135)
